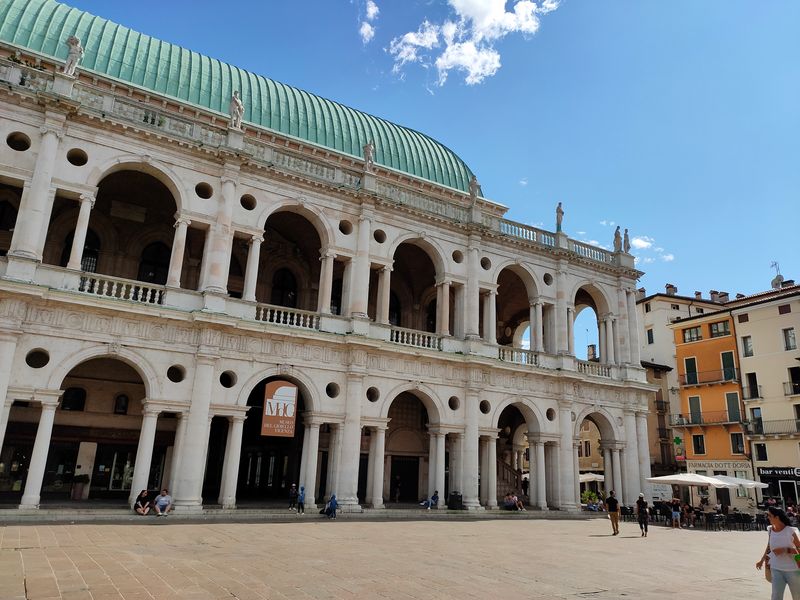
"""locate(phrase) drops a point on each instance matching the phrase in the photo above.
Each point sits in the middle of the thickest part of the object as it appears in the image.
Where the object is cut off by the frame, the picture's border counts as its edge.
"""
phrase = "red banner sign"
(280, 407)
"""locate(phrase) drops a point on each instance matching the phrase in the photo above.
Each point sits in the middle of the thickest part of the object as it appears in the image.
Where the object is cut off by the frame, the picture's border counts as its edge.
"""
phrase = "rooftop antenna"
(775, 265)
(777, 281)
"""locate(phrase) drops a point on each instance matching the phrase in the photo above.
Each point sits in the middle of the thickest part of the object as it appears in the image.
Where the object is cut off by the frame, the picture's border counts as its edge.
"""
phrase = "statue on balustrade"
(474, 188)
(369, 155)
(74, 55)
(626, 242)
(236, 109)
(559, 217)
(617, 240)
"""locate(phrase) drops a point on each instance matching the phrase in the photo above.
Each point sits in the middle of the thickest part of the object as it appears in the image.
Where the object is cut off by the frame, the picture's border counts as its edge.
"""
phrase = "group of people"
(642, 513)
(512, 502)
(161, 505)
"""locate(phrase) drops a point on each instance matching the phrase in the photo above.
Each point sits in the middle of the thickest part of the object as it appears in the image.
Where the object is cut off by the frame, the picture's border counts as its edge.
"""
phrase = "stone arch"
(315, 216)
(526, 406)
(596, 293)
(143, 164)
(150, 236)
(11, 197)
(427, 245)
(424, 394)
(526, 274)
(605, 421)
(133, 359)
(306, 385)
(64, 225)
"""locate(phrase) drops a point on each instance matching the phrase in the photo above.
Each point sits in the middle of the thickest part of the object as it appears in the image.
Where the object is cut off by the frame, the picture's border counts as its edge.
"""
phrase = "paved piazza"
(352, 559)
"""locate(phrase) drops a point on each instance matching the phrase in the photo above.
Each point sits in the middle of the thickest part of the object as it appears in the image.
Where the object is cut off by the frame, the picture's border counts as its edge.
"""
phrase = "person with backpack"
(643, 514)
(301, 501)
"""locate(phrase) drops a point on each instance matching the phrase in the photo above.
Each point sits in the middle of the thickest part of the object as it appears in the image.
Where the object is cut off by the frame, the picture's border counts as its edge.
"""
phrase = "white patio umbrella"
(587, 477)
(694, 480)
(742, 482)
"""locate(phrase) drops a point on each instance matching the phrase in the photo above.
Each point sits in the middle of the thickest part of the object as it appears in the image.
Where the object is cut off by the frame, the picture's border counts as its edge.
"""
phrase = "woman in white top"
(782, 547)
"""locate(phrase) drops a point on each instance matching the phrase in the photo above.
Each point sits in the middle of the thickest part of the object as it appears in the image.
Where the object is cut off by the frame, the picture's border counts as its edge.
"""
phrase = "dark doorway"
(407, 468)
(212, 482)
(363, 467)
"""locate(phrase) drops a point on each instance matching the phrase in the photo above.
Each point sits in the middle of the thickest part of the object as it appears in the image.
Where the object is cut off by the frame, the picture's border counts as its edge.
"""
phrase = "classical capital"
(181, 220)
(87, 198)
(256, 239)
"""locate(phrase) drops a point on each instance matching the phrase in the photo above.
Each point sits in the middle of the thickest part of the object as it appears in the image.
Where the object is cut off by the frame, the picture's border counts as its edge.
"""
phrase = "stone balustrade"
(288, 317)
(518, 356)
(121, 289)
(593, 368)
(417, 339)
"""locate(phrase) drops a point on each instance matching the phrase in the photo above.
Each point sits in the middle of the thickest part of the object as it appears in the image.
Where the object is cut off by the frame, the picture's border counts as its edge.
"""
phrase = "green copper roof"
(116, 51)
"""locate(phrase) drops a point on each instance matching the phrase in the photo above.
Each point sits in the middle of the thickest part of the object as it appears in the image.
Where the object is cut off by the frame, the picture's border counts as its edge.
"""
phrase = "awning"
(693, 479)
(587, 477)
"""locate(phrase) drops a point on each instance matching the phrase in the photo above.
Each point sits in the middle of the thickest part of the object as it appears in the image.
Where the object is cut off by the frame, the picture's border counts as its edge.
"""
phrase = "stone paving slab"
(342, 559)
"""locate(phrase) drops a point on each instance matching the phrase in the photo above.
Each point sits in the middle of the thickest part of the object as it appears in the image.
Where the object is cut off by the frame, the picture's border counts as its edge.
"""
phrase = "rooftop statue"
(74, 55)
(559, 217)
(626, 242)
(369, 155)
(474, 188)
(236, 109)
(617, 240)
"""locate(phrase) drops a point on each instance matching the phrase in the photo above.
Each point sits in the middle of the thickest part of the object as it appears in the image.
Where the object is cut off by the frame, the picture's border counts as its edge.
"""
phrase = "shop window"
(74, 398)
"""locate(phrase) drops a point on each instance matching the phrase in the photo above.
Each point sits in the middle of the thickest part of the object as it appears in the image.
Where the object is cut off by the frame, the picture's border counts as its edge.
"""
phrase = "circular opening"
(38, 358)
(548, 279)
(486, 264)
(227, 379)
(485, 407)
(176, 373)
(204, 190)
(77, 157)
(346, 227)
(18, 141)
(454, 403)
(379, 235)
(458, 256)
(247, 202)
(550, 414)
(332, 389)
(373, 394)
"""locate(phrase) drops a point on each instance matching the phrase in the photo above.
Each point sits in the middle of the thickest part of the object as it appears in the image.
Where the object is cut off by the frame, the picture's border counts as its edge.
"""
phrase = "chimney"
(787, 283)
(739, 296)
(724, 297)
(714, 295)
(671, 289)
(698, 295)
(591, 352)
(640, 293)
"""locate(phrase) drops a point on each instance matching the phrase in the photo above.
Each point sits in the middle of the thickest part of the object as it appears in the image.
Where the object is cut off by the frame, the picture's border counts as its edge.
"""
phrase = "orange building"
(710, 420)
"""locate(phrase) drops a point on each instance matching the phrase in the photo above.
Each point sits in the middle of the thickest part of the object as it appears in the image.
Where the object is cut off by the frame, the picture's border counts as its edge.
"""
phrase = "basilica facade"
(168, 249)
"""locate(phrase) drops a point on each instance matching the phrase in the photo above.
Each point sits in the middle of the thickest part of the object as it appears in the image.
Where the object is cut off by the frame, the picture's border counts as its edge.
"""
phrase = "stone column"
(469, 454)
(351, 441)
(471, 328)
(431, 463)
(571, 330)
(333, 458)
(617, 473)
(41, 446)
(443, 304)
(384, 290)
(624, 352)
(178, 250)
(576, 469)
(175, 465)
(439, 470)
(251, 270)
(643, 444)
(458, 311)
(609, 321)
(491, 459)
(632, 477)
(230, 465)
(327, 257)
(359, 290)
(608, 471)
(562, 345)
(8, 346)
(633, 329)
(539, 326)
(377, 464)
(144, 452)
(457, 452)
(222, 236)
(188, 495)
(541, 480)
(601, 341)
(490, 317)
(484, 467)
(33, 218)
(311, 449)
(615, 338)
(566, 473)
(79, 237)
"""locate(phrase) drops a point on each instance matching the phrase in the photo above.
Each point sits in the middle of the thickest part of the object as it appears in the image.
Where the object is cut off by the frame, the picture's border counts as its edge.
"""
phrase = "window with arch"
(394, 309)
(284, 289)
(154, 263)
(91, 251)
(74, 398)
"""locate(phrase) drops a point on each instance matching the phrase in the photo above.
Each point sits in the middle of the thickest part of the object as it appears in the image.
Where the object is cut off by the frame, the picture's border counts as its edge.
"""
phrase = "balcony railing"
(517, 355)
(662, 406)
(706, 418)
(417, 339)
(121, 289)
(751, 392)
(588, 367)
(791, 388)
(777, 427)
(289, 317)
(706, 377)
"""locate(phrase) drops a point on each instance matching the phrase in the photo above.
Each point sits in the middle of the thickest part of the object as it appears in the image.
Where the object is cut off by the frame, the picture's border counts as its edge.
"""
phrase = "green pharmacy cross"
(677, 441)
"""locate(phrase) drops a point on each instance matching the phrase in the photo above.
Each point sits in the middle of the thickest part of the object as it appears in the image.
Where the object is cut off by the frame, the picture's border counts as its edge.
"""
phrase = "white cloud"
(466, 42)
(580, 232)
(372, 10)
(667, 257)
(523, 182)
(641, 242)
(366, 31)
(605, 222)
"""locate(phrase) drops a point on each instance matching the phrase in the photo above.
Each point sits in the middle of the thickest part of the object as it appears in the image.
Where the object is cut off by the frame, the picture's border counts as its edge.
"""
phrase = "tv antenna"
(775, 265)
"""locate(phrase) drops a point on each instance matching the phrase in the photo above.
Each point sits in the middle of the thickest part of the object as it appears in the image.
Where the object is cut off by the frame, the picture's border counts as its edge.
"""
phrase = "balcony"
(777, 427)
(662, 406)
(751, 392)
(518, 355)
(706, 418)
(710, 377)
(791, 388)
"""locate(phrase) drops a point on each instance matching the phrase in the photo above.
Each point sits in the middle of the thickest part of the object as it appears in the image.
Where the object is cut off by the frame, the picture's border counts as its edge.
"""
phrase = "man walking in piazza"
(612, 506)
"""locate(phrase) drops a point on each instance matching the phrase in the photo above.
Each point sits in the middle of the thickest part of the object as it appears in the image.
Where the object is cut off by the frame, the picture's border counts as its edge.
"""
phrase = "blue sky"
(678, 120)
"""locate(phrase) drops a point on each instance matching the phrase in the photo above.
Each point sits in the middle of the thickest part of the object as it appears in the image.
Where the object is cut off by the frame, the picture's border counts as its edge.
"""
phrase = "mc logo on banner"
(280, 403)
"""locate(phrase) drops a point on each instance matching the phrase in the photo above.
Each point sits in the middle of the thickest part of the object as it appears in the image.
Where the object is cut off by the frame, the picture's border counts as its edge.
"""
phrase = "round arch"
(142, 164)
(423, 393)
(597, 294)
(430, 247)
(527, 276)
(133, 359)
(602, 418)
(314, 216)
(306, 385)
(149, 236)
(11, 197)
(530, 412)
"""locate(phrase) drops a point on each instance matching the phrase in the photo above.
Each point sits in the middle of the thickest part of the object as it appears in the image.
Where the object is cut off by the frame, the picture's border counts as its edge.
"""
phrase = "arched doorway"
(599, 452)
(413, 298)
(593, 335)
(408, 471)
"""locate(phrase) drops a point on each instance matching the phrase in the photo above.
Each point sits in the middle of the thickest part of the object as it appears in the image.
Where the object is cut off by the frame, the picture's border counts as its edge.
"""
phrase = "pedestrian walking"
(612, 506)
(330, 507)
(293, 497)
(781, 558)
(643, 514)
(676, 513)
(301, 501)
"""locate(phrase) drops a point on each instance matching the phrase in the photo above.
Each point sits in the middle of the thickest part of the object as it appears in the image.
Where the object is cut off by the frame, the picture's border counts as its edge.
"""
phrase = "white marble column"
(443, 308)
(189, 479)
(537, 308)
(609, 325)
(251, 270)
(457, 450)
(230, 464)
(601, 341)
(624, 353)
(38, 462)
(79, 237)
(221, 236)
(483, 450)
(633, 329)
(178, 250)
(616, 472)
(175, 465)
(562, 345)
(608, 471)
(431, 463)
(311, 450)
(359, 291)
(384, 291)
(631, 458)
(458, 311)
(439, 470)
(8, 346)
(541, 480)
(351, 441)
(33, 218)
(472, 312)
(334, 438)
(490, 317)
(327, 258)
(376, 465)
(144, 452)
(576, 469)
(643, 444)
(571, 330)
(469, 454)
(567, 474)
(491, 459)
(615, 338)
